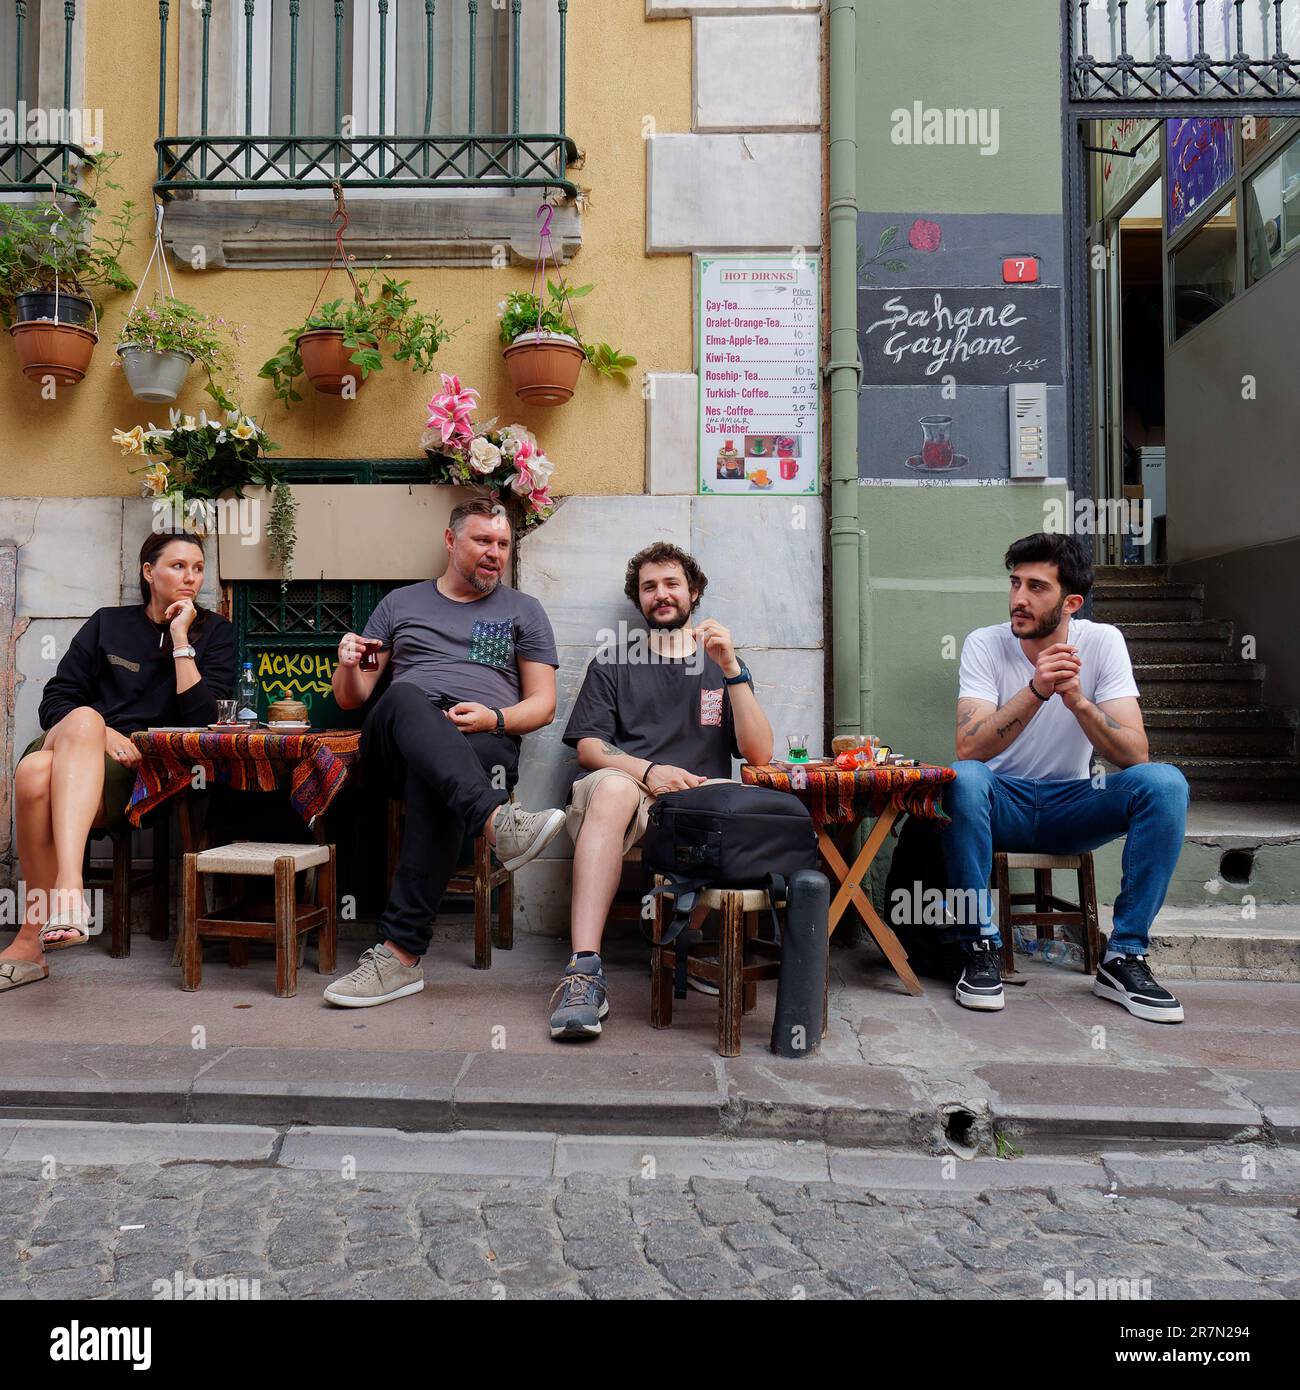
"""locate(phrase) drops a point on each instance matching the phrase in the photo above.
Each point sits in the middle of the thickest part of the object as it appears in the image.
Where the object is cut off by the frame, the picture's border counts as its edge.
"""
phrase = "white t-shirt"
(1053, 746)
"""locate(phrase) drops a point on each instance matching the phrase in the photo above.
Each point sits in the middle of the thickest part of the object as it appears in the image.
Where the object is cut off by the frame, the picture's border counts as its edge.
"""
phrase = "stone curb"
(437, 1093)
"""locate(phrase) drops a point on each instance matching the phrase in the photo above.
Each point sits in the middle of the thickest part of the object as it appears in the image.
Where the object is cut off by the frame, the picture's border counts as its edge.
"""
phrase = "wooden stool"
(1049, 911)
(125, 880)
(476, 880)
(290, 921)
(737, 982)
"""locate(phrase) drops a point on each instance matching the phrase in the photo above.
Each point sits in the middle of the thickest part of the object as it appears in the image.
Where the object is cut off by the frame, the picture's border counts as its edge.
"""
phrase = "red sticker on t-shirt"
(711, 708)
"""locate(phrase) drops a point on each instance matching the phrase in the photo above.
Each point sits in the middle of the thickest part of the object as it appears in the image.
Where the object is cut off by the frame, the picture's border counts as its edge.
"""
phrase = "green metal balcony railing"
(468, 155)
(46, 162)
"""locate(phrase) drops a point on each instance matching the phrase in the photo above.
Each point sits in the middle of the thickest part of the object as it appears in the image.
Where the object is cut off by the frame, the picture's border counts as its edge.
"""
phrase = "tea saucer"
(918, 465)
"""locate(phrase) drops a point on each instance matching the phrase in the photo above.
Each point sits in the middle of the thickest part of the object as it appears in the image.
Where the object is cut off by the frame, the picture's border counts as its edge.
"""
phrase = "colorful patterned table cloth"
(842, 798)
(313, 765)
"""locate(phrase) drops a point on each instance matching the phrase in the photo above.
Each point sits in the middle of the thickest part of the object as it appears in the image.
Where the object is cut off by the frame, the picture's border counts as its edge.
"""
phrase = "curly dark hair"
(664, 553)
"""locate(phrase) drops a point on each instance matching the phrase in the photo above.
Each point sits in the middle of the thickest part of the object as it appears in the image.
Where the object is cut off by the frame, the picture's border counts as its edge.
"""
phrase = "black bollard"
(801, 986)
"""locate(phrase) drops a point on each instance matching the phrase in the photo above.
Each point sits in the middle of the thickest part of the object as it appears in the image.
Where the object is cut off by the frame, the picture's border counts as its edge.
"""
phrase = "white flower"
(484, 456)
(541, 469)
(512, 436)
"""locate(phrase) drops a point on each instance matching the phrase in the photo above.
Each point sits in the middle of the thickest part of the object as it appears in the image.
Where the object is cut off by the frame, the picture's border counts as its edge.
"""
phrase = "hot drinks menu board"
(757, 351)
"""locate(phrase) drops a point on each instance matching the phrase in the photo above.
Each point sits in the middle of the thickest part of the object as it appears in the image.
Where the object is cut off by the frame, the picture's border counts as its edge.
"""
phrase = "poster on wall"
(1200, 160)
(757, 351)
(1132, 148)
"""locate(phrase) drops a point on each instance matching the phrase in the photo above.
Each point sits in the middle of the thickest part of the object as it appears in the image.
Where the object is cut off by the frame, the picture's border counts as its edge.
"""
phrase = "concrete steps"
(1257, 732)
(1166, 644)
(1201, 685)
(1147, 603)
(1240, 779)
(1198, 943)
(1203, 706)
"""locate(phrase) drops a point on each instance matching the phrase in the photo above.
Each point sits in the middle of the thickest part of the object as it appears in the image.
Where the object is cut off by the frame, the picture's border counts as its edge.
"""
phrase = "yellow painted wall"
(620, 67)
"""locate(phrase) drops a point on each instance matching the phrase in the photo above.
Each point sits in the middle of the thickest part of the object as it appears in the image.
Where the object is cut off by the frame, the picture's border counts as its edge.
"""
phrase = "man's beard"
(679, 619)
(476, 580)
(1047, 626)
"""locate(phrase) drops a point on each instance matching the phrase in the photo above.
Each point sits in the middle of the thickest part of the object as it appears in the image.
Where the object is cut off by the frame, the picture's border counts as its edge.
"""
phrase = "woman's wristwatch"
(178, 652)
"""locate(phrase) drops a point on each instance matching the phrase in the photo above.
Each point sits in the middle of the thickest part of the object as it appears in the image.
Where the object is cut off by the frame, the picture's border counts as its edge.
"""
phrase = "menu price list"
(758, 356)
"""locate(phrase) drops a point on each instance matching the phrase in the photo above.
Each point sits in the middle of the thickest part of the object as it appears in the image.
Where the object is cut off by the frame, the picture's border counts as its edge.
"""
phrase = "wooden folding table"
(838, 802)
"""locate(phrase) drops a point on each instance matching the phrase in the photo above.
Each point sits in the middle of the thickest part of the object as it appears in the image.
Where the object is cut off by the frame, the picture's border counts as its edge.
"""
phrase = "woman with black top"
(167, 662)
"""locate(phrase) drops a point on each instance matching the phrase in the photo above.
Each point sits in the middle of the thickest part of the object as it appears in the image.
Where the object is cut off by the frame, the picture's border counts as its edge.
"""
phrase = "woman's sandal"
(21, 972)
(67, 921)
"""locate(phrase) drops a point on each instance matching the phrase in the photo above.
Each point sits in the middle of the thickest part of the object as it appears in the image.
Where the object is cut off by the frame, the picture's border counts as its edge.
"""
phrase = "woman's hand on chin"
(180, 615)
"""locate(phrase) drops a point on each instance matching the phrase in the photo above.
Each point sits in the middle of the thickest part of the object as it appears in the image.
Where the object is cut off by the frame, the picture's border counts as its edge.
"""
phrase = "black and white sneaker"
(980, 983)
(1128, 980)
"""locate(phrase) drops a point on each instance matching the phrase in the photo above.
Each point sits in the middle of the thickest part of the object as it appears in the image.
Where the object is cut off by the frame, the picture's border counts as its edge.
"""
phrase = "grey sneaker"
(579, 1002)
(378, 978)
(523, 835)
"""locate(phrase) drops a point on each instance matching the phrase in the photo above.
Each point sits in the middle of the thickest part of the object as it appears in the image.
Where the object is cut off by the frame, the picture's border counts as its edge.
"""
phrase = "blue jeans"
(990, 812)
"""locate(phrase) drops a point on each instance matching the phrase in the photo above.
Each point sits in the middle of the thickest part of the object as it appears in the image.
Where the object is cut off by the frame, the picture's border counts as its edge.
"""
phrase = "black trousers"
(451, 781)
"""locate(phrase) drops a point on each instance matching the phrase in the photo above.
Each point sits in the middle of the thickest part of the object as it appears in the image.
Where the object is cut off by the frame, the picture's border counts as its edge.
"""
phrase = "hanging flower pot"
(154, 376)
(327, 363)
(58, 350)
(544, 367)
(46, 304)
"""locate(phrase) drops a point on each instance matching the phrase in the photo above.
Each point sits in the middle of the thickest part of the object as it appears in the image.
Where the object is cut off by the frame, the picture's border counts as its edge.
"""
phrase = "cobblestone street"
(112, 1232)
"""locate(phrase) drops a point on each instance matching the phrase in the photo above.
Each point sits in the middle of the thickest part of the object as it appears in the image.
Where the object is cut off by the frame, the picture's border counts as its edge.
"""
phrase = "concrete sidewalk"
(1057, 1070)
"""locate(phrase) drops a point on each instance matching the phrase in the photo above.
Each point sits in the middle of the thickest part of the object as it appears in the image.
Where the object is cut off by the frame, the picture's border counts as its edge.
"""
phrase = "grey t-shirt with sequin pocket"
(467, 651)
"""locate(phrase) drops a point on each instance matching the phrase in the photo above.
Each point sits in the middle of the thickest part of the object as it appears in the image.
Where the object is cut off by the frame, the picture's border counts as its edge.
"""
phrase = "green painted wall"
(1003, 55)
(932, 557)
(933, 564)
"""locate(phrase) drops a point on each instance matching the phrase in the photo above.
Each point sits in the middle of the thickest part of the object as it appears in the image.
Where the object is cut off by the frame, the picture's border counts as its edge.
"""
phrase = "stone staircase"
(1203, 705)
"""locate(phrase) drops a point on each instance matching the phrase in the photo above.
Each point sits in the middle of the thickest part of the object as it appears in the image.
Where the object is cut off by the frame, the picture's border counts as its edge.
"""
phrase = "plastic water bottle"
(246, 696)
(1056, 952)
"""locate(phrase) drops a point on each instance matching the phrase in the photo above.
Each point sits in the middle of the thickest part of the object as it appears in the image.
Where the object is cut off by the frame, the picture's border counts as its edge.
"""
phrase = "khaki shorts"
(580, 798)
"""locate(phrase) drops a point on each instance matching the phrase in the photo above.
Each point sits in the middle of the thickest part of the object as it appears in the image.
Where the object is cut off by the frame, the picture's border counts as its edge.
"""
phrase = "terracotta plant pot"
(59, 350)
(154, 376)
(544, 367)
(327, 362)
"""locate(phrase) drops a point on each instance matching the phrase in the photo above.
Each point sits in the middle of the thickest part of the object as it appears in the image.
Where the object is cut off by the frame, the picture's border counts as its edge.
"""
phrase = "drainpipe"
(844, 371)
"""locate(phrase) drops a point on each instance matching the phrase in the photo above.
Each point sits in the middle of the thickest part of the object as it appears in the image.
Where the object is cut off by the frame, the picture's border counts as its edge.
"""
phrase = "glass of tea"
(370, 657)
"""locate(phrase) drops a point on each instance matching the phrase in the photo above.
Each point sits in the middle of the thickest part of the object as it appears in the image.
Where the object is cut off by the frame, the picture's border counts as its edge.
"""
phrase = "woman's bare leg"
(37, 861)
(76, 799)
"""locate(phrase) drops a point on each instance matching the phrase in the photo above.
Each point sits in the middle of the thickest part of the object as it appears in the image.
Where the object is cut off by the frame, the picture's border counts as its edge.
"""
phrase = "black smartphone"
(446, 702)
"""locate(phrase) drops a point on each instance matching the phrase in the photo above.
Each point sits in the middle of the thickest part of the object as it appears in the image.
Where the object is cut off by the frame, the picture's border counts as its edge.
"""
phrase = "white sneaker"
(378, 979)
(523, 835)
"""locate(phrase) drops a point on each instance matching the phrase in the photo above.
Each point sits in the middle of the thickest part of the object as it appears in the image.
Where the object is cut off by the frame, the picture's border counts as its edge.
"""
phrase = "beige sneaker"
(378, 978)
(523, 835)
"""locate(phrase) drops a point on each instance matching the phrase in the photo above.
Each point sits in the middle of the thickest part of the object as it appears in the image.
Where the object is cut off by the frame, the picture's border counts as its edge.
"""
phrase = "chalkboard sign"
(978, 336)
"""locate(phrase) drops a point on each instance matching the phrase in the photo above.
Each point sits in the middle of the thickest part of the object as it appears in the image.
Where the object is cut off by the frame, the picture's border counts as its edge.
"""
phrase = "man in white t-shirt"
(1037, 699)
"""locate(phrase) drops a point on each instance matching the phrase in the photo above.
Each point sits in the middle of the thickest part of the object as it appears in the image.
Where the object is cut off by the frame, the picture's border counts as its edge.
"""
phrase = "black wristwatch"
(501, 721)
(742, 677)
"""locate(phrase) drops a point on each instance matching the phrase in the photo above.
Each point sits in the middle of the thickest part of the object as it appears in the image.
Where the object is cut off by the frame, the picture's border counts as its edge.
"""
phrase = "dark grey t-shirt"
(676, 712)
(469, 651)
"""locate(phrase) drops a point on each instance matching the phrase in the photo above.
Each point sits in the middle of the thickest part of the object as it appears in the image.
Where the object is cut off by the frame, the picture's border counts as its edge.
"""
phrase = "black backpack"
(725, 835)
(918, 868)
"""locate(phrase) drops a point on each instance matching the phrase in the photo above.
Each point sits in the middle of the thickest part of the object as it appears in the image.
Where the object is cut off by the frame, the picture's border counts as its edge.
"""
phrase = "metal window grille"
(1153, 50)
(480, 145)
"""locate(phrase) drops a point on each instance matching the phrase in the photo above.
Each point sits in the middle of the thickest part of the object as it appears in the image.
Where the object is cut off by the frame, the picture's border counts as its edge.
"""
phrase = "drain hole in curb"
(960, 1132)
(1237, 866)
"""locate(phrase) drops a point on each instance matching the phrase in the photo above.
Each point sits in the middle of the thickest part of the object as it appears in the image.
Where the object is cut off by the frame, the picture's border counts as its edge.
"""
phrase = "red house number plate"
(1019, 270)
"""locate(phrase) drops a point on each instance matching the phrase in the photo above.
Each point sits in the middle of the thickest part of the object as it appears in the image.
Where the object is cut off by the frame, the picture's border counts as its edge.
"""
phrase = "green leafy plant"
(524, 312)
(58, 243)
(172, 325)
(195, 461)
(384, 314)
